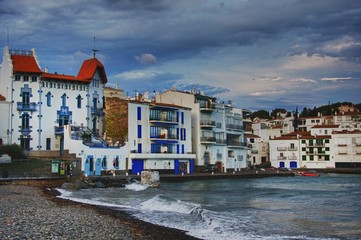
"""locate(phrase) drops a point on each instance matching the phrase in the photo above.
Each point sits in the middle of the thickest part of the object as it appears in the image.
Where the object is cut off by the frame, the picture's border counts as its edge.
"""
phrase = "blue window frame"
(139, 148)
(182, 148)
(139, 131)
(78, 98)
(104, 163)
(182, 117)
(177, 148)
(139, 113)
(63, 99)
(177, 116)
(48, 99)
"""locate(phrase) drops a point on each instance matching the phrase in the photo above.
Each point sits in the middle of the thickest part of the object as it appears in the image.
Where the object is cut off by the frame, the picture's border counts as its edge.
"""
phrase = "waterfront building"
(217, 131)
(305, 124)
(258, 152)
(5, 124)
(42, 103)
(347, 148)
(158, 134)
(284, 151)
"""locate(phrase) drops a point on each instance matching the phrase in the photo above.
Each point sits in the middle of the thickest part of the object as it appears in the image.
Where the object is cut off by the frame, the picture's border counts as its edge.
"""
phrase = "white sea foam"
(165, 204)
(136, 186)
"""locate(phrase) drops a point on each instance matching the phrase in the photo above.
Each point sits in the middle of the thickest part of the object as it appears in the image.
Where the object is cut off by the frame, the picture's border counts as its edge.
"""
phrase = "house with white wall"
(347, 148)
(217, 131)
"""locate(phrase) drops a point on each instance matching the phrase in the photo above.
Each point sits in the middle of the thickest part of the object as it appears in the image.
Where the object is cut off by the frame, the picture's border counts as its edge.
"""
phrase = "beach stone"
(100, 185)
(81, 185)
(150, 178)
(69, 186)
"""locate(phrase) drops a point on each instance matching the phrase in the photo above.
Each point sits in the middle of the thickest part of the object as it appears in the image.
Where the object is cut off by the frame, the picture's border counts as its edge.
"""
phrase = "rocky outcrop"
(150, 178)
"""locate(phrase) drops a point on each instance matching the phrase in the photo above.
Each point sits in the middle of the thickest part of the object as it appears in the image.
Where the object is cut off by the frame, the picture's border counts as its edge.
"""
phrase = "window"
(311, 157)
(48, 144)
(25, 143)
(95, 102)
(327, 158)
(17, 77)
(139, 148)
(48, 99)
(327, 141)
(34, 78)
(26, 98)
(182, 117)
(26, 78)
(303, 141)
(139, 113)
(63, 99)
(292, 146)
(327, 149)
(104, 163)
(182, 148)
(139, 131)
(310, 142)
(303, 157)
(303, 149)
(116, 162)
(25, 121)
(78, 100)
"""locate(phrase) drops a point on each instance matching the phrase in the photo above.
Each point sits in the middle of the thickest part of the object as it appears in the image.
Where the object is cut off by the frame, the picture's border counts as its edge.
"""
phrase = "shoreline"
(33, 213)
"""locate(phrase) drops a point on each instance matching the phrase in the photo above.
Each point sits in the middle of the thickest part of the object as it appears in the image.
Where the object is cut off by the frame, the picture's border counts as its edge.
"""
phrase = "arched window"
(104, 163)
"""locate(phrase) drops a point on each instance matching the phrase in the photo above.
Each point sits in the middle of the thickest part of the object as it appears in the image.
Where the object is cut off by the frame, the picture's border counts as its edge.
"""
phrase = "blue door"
(89, 166)
(98, 167)
(191, 165)
(137, 166)
(282, 164)
(176, 166)
(293, 164)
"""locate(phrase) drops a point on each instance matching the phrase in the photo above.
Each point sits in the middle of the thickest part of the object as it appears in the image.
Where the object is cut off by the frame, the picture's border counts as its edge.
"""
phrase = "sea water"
(326, 207)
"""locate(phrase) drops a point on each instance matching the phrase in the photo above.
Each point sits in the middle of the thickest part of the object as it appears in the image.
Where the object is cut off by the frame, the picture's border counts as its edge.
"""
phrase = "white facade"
(284, 152)
(160, 138)
(42, 103)
(217, 131)
(347, 148)
(258, 151)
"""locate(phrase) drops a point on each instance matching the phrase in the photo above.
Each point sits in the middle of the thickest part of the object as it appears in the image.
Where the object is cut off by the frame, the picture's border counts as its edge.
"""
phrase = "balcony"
(342, 153)
(342, 144)
(207, 124)
(254, 151)
(292, 149)
(163, 119)
(97, 111)
(234, 127)
(221, 141)
(208, 140)
(281, 148)
(25, 131)
(281, 158)
(237, 143)
(26, 107)
(206, 108)
(292, 157)
(59, 130)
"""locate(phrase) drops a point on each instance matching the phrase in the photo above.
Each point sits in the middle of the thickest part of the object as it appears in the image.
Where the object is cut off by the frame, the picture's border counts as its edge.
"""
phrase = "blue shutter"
(182, 117)
(139, 148)
(139, 113)
(139, 131)
(182, 148)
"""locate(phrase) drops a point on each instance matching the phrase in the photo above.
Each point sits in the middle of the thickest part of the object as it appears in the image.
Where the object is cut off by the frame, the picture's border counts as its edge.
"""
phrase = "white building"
(159, 135)
(5, 123)
(284, 151)
(258, 151)
(347, 148)
(42, 103)
(217, 131)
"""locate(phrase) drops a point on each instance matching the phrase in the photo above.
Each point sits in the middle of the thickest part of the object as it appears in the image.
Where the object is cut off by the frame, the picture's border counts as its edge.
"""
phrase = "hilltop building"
(217, 131)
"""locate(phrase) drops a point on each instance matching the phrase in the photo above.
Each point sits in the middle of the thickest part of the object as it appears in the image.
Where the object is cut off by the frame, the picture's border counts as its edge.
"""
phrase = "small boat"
(309, 174)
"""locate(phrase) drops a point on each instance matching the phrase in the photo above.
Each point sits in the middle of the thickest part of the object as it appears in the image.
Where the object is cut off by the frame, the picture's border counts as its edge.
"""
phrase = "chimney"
(46, 70)
(117, 86)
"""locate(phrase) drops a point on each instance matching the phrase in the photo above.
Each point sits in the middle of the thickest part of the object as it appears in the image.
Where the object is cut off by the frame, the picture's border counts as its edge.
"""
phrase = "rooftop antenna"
(94, 50)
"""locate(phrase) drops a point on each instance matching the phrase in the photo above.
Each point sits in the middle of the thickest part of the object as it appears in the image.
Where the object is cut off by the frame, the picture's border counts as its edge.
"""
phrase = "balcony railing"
(342, 144)
(236, 127)
(97, 111)
(168, 119)
(208, 139)
(164, 136)
(281, 158)
(292, 148)
(237, 143)
(206, 107)
(254, 151)
(221, 141)
(25, 131)
(281, 148)
(208, 123)
(342, 153)
(59, 130)
(26, 107)
(292, 157)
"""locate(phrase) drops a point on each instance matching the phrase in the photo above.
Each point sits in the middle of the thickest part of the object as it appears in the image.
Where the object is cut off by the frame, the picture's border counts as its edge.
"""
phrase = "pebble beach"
(35, 213)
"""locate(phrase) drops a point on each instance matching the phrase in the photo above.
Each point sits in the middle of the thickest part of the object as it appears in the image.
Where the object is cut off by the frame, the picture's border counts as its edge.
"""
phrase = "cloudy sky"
(259, 54)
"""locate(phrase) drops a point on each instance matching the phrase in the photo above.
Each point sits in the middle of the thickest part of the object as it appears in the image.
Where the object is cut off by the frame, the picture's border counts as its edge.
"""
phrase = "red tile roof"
(59, 77)
(326, 126)
(89, 68)
(356, 131)
(26, 64)
(2, 98)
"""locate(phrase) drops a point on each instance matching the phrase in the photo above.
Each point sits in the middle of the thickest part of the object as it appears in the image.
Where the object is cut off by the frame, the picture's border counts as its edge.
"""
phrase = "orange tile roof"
(2, 98)
(26, 64)
(88, 69)
(356, 131)
(59, 77)
(326, 126)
